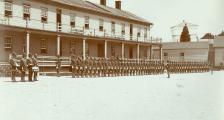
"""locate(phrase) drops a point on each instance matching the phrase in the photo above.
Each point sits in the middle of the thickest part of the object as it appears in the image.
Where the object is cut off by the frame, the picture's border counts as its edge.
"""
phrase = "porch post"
(84, 48)
(58, 44)
(105, 49)
(122, 51)
(138, 56)
(161, 52)
(27, 44)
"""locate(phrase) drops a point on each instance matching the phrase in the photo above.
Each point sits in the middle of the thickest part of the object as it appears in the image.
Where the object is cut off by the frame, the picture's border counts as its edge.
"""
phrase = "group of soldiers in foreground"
(30, 64)
(112, 67)
(101, 67)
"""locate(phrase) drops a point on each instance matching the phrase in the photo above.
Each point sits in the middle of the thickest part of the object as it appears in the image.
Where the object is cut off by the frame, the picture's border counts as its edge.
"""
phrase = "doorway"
(100, 50)
(131, 52)
(58, 19)
(131, 31)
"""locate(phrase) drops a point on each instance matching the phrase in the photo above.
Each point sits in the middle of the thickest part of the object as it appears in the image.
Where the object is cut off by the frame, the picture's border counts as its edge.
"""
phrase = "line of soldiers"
(21, 65)
(112, 67)
(187, 67)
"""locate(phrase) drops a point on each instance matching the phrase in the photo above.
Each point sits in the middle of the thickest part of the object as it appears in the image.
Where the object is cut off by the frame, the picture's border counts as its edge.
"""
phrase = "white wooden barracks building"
(59, 27)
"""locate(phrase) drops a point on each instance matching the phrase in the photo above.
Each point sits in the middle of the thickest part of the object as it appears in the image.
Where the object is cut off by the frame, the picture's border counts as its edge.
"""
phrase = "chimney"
(118, 4)
(103, 2)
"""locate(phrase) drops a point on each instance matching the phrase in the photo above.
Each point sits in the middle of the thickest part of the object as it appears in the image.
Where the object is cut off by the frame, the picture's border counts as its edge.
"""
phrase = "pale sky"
(208, 14)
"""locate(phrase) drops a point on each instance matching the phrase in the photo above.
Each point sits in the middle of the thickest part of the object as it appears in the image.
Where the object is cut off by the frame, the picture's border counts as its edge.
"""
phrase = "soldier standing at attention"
(29, 66)
(58, 65)
(73, 61)
(168, 68)
(12, 62)
(23, 67)
(35, 67)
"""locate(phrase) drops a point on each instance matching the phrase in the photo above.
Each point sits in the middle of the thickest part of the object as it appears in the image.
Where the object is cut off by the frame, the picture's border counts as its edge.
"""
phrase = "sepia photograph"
(111, 60)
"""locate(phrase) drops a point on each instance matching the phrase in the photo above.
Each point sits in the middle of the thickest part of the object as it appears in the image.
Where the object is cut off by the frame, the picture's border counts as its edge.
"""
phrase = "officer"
(13, 64)
(29, 66)
(23, 67)
(35, 67)
(58, 65)
(168, 69)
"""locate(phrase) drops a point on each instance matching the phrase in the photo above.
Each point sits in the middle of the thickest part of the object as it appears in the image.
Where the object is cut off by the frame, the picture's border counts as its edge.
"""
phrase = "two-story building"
(62, 27)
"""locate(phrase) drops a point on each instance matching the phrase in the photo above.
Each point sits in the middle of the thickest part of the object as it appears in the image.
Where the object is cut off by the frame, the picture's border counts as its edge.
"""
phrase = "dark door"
(58, 17)
(100, 50)
(131, 52)
(131, 31)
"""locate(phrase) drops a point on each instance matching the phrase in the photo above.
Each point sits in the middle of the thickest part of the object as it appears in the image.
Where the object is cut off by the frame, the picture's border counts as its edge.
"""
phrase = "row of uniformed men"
(187, 67)
(30, 64)
(101, 67)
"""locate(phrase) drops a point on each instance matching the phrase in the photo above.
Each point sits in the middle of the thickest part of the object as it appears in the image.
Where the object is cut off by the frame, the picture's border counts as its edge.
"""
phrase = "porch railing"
(19, 21)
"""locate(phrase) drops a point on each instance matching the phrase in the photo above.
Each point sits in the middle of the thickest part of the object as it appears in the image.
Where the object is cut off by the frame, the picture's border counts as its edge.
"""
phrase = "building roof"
(221, 34)
(208, 36)
(103, 9)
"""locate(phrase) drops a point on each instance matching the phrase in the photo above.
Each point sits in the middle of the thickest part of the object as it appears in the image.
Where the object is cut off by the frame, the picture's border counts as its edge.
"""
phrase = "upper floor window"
(26, 12)
(101, 24)
(182, 54)
(123, 28)
(87, 22)
(8, 8)
(113, 27)
(139, 32)
(145, 32)
(44, 14)
(8, 43)
(72, 20)
(43, 46)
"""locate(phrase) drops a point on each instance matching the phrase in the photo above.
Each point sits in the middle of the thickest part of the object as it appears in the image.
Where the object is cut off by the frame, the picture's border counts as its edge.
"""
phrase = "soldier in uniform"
(73, 66)
(13, 64)
(58, 65)
(168, 69)
(36, 70)
(23, 67)
(29, 66)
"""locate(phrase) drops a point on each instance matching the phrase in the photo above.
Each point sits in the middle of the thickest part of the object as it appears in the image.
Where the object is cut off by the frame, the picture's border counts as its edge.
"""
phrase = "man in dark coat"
(30, 66)
(35, 67)
(23, 67)
(13, 64)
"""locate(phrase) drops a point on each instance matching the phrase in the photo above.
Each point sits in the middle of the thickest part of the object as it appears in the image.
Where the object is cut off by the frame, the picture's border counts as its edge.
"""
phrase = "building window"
(113, 27)
(165, 54)
(72, 20)
(139, 32)
(43, 46)
(182, 54)
(8, 43)
(101, 24)
(145, 32)
(8, 8)
(26, 12)
(86, 22)
(123, 29)
(44, 15)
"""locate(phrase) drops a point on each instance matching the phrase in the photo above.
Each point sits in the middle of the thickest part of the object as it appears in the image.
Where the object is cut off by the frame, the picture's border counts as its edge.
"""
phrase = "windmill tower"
(176, 31)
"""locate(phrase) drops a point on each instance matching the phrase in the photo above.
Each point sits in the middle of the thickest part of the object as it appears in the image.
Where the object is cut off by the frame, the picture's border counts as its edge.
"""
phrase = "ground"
(182, 97)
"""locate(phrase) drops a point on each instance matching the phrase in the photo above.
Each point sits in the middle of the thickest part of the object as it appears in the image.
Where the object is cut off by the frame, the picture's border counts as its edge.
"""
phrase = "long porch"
(46, 43)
